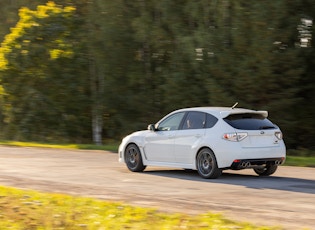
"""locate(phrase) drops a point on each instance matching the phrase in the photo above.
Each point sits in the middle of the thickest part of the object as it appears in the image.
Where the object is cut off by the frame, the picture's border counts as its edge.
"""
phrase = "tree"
(38, 61)
(255, 60)
(130, 62)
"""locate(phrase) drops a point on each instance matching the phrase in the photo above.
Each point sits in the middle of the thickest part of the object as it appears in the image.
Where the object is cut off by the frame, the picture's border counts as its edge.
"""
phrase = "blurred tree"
(8, 16)
(9, 12)
(45, 95)
(184, 78)
(167, 43)
(129, 63)
(255, 60)
(96, 67)
(304, 111)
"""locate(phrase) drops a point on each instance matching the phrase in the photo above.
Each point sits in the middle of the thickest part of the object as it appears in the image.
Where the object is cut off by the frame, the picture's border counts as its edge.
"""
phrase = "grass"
(24, 209)
(300, 161)
(110, 146)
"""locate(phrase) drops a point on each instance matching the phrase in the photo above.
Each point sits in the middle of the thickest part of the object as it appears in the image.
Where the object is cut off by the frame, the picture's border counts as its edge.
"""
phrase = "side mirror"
(151, 127)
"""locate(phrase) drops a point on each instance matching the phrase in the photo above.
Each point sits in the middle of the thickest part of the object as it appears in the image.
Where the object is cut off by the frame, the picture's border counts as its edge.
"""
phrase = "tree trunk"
(96, 80)
(97, 93)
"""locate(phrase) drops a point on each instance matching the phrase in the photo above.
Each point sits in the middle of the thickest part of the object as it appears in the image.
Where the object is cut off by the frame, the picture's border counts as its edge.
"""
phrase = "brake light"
(234, 136)
(279, 135)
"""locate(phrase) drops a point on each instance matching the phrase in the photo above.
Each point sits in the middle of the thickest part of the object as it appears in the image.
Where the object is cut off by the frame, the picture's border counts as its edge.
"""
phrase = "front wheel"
(133, 158)
(267, 170)
(207, 166)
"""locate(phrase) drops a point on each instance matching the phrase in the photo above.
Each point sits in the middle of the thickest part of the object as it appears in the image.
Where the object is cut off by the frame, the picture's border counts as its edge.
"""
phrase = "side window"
(195, 120)
(211, 121)
(172, 122)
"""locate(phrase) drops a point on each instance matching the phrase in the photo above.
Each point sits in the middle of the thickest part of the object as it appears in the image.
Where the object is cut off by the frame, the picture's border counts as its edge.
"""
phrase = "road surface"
(287, 198)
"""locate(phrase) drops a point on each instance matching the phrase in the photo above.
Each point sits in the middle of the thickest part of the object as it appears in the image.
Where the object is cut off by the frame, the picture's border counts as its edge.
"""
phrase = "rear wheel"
(207, 166)
(267, 170)
(133, 158)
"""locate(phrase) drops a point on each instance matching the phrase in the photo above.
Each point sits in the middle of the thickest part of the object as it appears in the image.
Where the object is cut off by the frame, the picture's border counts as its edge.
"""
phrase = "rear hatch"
(260, 131)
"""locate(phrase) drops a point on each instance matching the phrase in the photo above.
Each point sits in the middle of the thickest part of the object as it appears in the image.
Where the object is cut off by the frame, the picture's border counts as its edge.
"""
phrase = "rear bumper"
(249, 163)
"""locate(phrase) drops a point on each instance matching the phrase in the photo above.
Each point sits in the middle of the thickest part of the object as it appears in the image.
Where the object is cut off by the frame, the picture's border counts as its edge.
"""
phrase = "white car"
(209, 140)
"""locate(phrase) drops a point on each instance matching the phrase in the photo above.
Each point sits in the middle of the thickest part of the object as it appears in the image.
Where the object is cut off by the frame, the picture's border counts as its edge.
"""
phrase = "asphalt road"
(287, 198)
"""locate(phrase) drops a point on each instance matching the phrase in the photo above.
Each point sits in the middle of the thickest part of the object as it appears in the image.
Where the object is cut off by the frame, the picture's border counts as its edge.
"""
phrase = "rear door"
(188, 138)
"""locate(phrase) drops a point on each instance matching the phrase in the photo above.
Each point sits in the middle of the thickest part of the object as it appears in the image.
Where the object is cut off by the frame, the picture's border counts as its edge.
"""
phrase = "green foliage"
(258, 64)
(32, 210)
(129, 63)
(46, 97)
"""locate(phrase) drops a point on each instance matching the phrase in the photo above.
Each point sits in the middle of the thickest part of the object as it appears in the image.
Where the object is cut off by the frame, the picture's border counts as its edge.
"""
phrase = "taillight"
(279, 135)
(234, 136)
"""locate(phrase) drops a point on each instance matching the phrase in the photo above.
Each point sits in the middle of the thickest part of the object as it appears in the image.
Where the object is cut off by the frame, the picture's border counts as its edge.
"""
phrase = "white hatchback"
(209, 140)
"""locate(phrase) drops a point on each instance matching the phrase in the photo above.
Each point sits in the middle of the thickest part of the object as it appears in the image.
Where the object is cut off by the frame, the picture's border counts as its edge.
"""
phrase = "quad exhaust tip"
(247, 164)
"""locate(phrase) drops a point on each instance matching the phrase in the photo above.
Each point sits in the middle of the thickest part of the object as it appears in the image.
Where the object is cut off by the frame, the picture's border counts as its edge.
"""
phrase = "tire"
(133, 158)
(267, 170)
(206, 164)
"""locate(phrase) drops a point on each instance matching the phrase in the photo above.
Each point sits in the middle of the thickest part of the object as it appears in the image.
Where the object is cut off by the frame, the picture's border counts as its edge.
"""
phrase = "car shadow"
(249, 181)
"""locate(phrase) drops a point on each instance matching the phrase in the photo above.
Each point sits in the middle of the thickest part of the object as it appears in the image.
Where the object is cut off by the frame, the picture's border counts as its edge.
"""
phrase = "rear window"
(248, 121)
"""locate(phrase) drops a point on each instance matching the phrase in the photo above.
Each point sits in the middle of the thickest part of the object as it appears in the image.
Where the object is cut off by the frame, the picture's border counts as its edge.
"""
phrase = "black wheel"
(207, 166)
(267, 170)
(133, 158)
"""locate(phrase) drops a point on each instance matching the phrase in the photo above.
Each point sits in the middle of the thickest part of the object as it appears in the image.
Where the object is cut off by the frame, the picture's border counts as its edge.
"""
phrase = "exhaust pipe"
(245, 164)
(278, 162)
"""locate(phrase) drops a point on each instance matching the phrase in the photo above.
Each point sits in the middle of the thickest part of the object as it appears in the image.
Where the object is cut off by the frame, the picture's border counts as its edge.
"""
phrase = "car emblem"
(262, 132)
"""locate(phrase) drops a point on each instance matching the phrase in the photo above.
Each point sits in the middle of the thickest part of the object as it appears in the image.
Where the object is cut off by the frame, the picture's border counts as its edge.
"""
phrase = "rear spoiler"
(227, 113)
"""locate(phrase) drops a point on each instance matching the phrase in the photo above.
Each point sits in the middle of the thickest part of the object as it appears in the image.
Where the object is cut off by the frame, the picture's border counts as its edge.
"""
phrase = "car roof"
(224, 111)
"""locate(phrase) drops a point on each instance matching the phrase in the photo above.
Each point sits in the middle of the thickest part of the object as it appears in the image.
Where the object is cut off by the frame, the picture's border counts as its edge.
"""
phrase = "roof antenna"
(234, 105)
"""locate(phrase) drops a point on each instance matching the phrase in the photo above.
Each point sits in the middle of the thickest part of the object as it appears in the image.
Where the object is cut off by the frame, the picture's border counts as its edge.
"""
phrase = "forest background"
(86, 71)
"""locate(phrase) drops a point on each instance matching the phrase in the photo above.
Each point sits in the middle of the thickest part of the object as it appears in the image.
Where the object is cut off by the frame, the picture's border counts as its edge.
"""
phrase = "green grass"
(300, 161)
(24, 209)
(109, 146)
